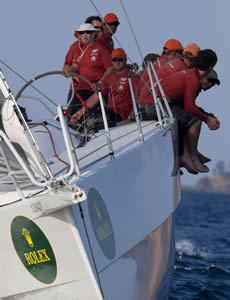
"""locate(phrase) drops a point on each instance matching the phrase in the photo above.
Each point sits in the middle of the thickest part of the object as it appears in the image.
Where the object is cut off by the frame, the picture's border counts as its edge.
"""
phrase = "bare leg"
(185, 159)
(192, 137)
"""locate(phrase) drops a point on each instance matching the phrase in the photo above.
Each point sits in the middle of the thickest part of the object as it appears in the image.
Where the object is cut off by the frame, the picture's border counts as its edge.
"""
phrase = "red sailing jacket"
(108, 44)
(167, 69)
(181, 86)
(145, 77)
(117, 85)
(92, 62)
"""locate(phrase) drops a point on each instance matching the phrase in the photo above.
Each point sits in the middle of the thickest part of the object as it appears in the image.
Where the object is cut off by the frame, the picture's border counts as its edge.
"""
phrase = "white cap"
(86, 27)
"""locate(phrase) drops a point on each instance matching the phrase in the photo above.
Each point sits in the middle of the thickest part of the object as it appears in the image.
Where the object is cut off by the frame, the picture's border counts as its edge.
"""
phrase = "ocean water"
(202, 266)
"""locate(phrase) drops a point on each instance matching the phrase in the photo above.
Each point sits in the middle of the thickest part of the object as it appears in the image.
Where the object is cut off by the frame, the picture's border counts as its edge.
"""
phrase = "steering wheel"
(48, 74)
(29, 83)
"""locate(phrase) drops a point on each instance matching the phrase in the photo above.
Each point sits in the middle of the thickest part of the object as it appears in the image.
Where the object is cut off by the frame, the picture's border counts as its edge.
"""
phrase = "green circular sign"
(33, 249)
(101, 223)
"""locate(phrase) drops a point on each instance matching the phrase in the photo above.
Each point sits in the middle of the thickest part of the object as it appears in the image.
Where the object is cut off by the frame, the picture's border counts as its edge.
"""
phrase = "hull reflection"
(151, 261)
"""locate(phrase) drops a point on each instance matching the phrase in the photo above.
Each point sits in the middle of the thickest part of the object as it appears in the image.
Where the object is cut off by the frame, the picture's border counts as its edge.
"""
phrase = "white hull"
(116, 243)
(135, 257)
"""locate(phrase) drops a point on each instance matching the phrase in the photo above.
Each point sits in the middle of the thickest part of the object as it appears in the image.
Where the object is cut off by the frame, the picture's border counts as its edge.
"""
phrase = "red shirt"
(182, 86)
(69, 55)
(106, 43)
(92, 62)
(117, 85)
(168, 68)
(145, 77)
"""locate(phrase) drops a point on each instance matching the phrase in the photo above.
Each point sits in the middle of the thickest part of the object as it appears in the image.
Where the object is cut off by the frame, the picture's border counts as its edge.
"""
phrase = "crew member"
(87, 58)
(119, 106)
(109, 28)
(172, 49)
(182, 88)
(96, 21)
(187, 60)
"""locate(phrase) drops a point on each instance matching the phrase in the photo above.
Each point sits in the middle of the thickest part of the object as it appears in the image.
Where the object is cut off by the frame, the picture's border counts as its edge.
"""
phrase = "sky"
(36, 36)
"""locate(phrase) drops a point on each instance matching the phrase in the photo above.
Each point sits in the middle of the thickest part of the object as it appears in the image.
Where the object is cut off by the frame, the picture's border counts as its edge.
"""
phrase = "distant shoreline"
(215, 184)
(189, 189)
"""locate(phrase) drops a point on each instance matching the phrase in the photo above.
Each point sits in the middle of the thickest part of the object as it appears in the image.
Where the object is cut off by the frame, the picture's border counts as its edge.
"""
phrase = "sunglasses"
(113, 24)
(98, 27)
(83, 32)
(169, 51)
(118, 59)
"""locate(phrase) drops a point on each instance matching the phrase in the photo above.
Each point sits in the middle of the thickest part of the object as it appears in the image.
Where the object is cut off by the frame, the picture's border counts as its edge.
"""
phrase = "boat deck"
(90, 155)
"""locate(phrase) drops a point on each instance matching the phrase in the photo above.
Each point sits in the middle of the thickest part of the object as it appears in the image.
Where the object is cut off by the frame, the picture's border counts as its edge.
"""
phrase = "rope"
(134, 36)
(21, 77)
(52, 142)
(131, 28)
(39, 100)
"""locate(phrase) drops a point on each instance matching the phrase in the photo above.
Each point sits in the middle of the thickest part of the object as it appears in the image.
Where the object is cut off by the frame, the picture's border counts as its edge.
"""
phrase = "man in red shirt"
(110, 24)
(172, 49)
(109, 28)
(179, 64)
(182, 88)
(96, 21)
(151, 57)
(119, 106)
(190, 54)
(87, 58)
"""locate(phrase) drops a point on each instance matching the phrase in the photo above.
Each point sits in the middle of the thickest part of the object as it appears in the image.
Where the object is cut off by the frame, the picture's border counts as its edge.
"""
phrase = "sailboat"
(86, 220)
(86, 215)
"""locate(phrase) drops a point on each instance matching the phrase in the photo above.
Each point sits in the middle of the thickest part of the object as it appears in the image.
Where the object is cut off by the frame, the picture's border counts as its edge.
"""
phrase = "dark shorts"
(185, 120)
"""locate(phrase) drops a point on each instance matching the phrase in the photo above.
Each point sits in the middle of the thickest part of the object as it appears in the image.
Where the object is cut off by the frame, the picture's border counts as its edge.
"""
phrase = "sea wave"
(189, 248)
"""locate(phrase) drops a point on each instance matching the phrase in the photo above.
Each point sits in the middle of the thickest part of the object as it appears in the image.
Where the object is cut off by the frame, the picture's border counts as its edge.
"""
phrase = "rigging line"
(40, 100)
(131, 28)
(52, 142)
(91, 249)
(110, 30)
(21, 77)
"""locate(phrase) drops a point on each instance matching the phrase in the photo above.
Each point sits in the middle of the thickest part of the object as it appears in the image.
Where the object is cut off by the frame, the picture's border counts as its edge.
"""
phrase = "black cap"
(213, 77)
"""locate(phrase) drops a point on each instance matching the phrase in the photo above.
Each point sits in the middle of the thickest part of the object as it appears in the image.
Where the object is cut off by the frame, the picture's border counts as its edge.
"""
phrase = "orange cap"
(109, 18)
(173, 45)
(118, 52)
(191, 50)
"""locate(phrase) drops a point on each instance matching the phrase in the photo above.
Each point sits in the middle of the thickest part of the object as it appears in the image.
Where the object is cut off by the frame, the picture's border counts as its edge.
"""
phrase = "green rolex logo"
(101, 223)
(33, 249)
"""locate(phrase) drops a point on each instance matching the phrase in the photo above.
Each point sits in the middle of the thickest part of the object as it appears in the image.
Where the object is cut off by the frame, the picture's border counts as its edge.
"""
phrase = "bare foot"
(199, 166)
(188, 165)
(203, 159)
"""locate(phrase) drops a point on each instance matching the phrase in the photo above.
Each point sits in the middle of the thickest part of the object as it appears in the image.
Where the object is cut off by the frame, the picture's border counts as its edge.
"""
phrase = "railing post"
(108, 136)
(162, 92)
(156, 100)
(135, 110)
(69, 146)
